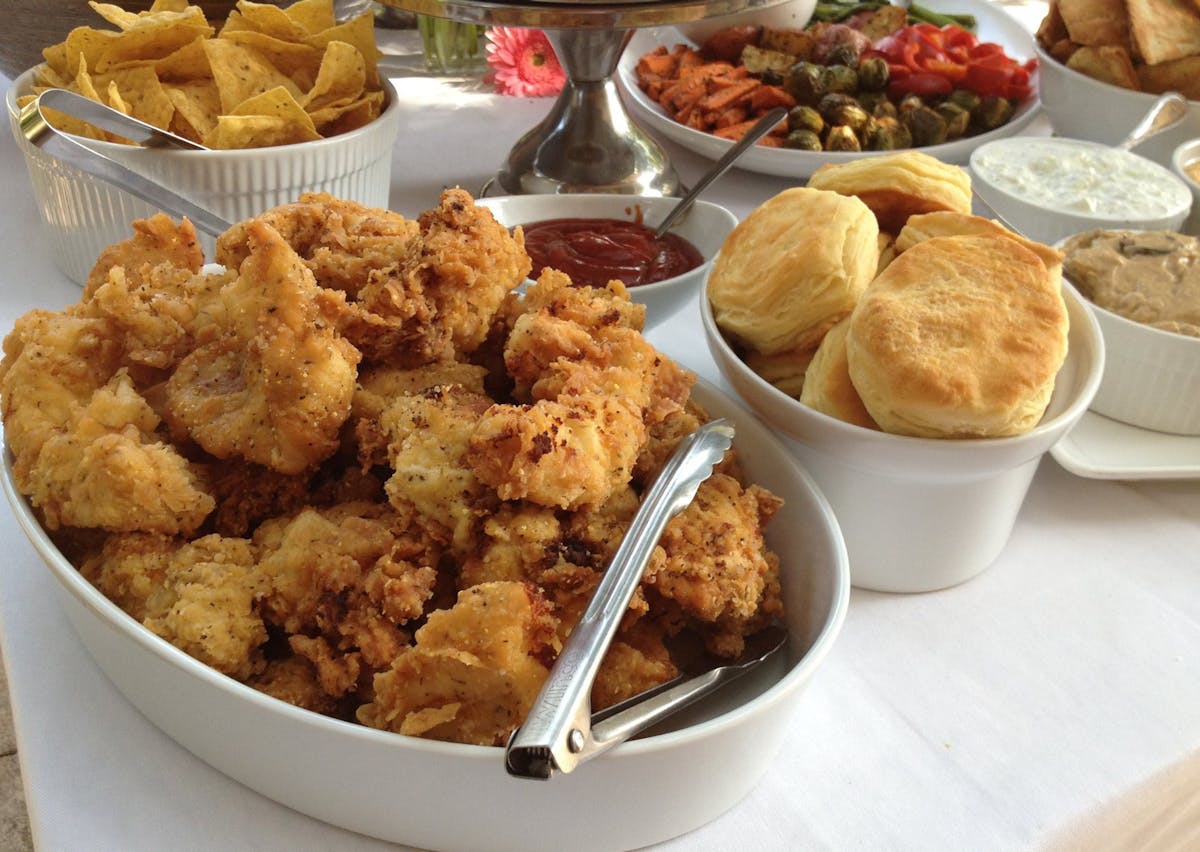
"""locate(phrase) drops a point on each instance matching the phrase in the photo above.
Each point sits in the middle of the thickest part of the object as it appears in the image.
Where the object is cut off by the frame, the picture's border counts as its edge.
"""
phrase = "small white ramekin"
(85, 214)
(1188, 154)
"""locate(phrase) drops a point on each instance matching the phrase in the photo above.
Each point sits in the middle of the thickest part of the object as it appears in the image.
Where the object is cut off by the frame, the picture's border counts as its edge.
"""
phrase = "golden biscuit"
(792, 268)
(960, 337)
(896, 186)
(784, 370)
(946, 224)
(827, 386)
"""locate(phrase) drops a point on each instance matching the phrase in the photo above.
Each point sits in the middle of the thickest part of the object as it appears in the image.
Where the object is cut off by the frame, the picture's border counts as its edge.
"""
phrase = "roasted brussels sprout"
(803, 140)
(887, 134)
(805, 81)
(840, 78)
(925, 125)
(884, 109)
(873, 74)
(909, 102)
(845, 53)
(842, 138)
(849, 115)
(965, 98)
(957, 119)
(832, 102)
(805, 118)
(992, 112)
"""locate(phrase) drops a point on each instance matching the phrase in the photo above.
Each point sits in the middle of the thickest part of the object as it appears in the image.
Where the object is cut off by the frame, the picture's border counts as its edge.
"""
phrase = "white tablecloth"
(1052, 701)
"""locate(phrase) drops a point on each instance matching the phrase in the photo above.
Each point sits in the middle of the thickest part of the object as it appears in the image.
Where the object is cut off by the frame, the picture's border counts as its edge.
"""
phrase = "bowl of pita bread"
(1104, 62)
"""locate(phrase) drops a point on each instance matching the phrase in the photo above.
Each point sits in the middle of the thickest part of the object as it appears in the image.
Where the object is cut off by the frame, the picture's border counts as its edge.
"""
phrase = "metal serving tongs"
(73, 150)
(560, 731)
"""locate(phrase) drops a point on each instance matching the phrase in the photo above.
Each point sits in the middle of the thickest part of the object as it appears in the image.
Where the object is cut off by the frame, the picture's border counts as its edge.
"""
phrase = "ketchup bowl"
(607, 236)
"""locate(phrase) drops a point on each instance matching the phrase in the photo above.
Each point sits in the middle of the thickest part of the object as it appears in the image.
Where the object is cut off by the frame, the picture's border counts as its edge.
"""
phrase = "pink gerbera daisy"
(523, 62)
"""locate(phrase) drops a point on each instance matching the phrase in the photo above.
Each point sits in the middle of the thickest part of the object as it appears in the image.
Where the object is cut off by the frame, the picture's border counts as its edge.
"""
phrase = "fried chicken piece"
(475, 669)
(247, 494)
(53, 363)
(327, 576)
(156, 241)
(379, 385)
(595, 382)
(199, 596)
(633, 663)
(439, 301)
(341, 241)
(107, 469)
(713, 561)
(294, 680)
(426, 437)
(276, 388)
(518, 543)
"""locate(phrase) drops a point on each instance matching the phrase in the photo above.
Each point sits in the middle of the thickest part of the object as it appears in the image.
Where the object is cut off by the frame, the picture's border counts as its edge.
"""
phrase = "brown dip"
(1151, 277)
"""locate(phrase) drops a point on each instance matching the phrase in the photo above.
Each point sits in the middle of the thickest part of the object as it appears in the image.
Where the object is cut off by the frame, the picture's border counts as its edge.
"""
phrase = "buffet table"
(1052, 702)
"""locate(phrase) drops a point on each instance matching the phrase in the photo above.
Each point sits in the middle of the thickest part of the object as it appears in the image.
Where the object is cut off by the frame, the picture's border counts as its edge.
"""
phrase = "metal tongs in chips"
(560, 731)
(75, 151)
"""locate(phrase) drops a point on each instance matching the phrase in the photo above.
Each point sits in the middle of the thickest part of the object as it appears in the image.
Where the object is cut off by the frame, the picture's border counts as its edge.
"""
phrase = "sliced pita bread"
(1178, 75)
(1163, 30)
(1107, 63)
(1095, 22)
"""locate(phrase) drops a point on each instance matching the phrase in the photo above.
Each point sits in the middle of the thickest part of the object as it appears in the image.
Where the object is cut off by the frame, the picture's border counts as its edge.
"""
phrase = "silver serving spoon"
(1165, 113)
(760, 129)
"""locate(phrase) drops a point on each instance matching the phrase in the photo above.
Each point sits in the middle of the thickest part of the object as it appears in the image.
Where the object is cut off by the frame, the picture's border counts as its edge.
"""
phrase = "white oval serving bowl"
(1080, 107)
(794, 14)
(448, 796)
(1051, 219)
(705, 226)
(84, 214)
(920, 514)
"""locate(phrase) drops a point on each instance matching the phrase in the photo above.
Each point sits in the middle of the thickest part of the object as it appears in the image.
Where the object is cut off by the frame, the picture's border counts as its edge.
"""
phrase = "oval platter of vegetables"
(861, 78)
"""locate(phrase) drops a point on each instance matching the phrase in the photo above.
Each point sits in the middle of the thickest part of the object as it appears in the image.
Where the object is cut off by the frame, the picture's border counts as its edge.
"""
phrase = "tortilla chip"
(289, 57)
(155, 36)
(1095, 22)
(1163, 30)
(312, 16)
(256, 131)
(198, 102)
(1178, 75)
(1107, 63)
(189, 62)
(262, 18)
(333, 120)
(341, 79)
(360, 32)
(144, 96)
(86, 46)
(115, 15)
(242, 72)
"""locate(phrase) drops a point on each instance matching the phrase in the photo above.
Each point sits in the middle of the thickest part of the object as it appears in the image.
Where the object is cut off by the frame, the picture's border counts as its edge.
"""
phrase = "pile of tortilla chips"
(1145, 45)
(268, 76)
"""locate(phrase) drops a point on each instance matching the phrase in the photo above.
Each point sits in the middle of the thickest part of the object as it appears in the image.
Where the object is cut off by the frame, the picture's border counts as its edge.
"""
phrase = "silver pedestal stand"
(588, 142)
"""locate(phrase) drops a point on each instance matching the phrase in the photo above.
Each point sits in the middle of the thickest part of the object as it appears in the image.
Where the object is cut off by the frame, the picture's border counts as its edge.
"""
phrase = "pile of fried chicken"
(353, 466)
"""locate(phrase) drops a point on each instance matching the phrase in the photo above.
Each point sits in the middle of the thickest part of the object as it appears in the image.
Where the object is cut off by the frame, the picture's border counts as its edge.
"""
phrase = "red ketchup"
(594, 251)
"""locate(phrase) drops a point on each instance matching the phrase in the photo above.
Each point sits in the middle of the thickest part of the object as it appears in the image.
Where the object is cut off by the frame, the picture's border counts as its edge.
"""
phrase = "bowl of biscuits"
(326, 508)
(921, 360)
(285, 100)
(1102, 65)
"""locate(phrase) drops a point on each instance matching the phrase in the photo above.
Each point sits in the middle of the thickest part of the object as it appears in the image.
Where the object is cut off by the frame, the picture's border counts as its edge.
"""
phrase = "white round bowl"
(705, 226)
(1185, 154)
(1050, 217)
(791, 13)
(1082, 108)
(920, 514)
(439, 795)
(85, 214)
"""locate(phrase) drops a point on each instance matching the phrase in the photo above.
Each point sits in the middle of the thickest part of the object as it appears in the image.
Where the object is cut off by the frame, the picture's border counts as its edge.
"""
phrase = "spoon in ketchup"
(760, 129)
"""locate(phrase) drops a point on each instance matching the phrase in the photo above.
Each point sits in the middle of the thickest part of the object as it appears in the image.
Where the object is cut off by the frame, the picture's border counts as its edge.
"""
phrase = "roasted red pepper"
(928, 60)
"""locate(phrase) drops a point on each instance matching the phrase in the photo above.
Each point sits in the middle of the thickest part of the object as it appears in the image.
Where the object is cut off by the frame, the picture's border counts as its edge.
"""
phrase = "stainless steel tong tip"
(557, 733)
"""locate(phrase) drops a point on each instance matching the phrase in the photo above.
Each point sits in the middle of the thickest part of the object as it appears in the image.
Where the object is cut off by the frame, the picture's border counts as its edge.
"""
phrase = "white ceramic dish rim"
(788, 163)
(1045, 58)
(602, 204)
(1180, 209)
(110, 614)
(934, 449)
(23, 83)
(1100, 447)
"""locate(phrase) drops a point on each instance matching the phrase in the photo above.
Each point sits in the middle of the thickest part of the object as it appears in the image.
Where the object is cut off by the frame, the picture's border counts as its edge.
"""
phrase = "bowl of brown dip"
(1144, 288)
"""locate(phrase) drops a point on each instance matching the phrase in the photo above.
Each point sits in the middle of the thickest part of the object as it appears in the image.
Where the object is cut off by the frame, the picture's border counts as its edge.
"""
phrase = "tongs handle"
(71, 149)
(557, 732)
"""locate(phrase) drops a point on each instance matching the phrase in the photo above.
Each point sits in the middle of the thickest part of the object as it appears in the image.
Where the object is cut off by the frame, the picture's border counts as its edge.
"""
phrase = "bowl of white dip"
(1050, 188)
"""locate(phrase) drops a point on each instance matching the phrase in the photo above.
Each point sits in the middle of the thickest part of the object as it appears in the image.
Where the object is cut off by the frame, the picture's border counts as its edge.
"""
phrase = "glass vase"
(450, 46)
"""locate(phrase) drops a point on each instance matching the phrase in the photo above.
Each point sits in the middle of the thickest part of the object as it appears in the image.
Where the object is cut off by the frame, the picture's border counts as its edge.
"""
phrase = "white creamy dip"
(1081, 178)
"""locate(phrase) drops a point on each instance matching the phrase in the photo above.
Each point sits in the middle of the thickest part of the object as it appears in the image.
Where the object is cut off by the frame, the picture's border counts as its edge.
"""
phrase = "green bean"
(840, 10)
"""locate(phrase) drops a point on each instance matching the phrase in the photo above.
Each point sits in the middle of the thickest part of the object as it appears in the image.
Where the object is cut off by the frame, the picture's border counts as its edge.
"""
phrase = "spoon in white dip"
(1167, 111)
